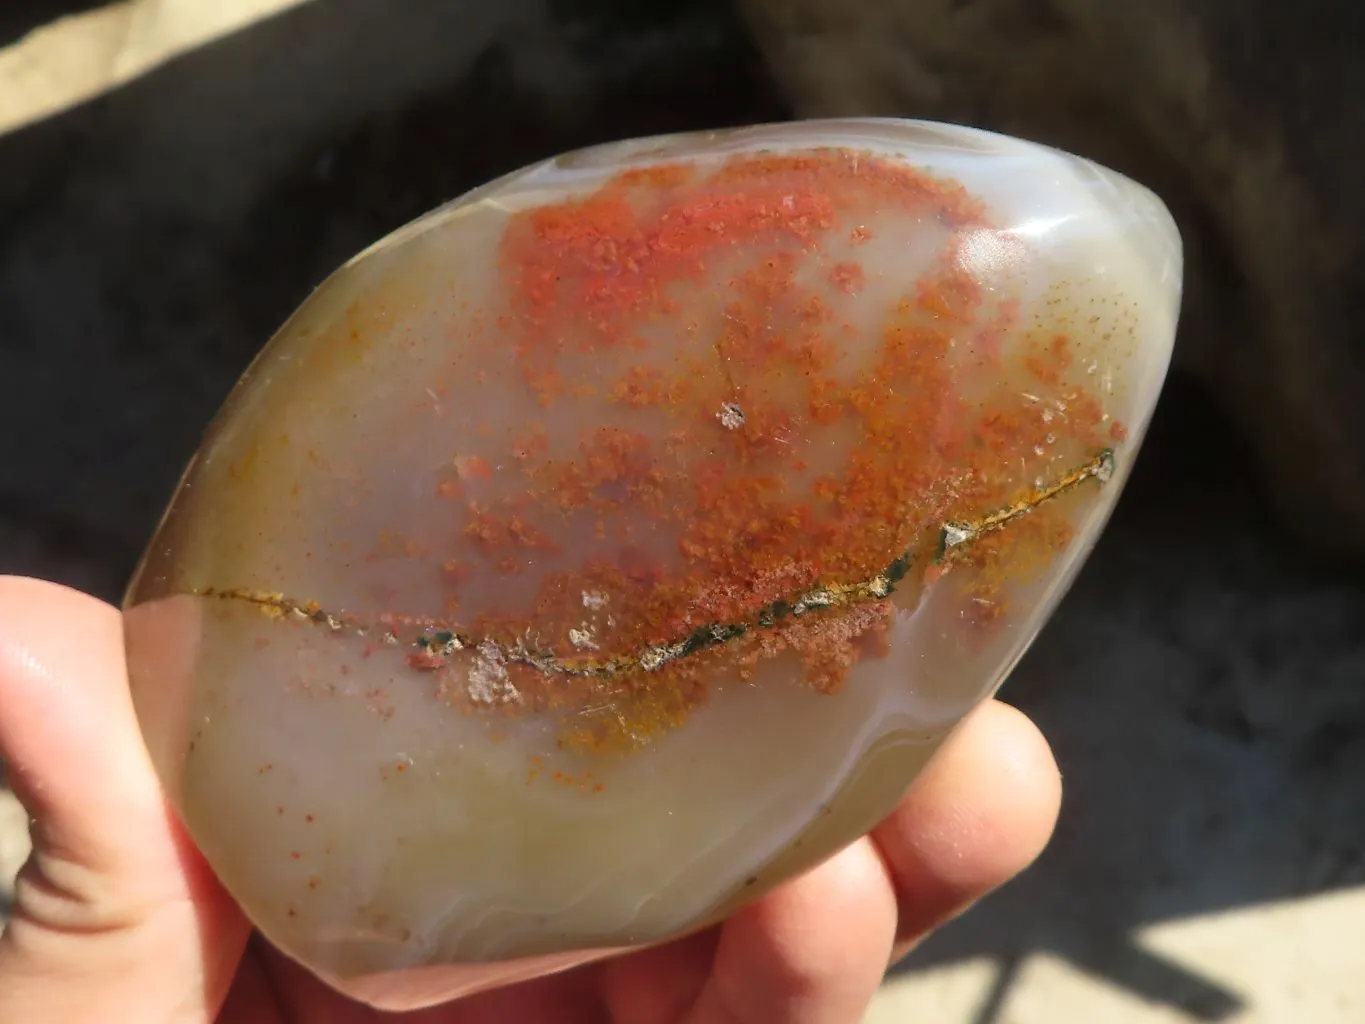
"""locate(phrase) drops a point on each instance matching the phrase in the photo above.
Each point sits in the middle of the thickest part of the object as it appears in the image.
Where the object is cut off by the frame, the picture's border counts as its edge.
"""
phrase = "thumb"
(116, 916)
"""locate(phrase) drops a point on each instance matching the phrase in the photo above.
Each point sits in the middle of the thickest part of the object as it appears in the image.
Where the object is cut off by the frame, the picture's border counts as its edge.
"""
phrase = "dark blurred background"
(1204, 684)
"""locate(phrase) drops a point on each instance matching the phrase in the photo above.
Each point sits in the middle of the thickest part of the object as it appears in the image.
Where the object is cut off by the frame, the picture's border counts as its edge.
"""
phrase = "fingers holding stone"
(981, 812)
(811, 952)
(115, 906)
(816, 948)
(67, 727)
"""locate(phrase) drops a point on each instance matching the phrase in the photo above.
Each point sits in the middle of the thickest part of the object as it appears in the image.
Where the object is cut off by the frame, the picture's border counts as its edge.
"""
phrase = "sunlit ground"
(1288, 962)
(75, 58)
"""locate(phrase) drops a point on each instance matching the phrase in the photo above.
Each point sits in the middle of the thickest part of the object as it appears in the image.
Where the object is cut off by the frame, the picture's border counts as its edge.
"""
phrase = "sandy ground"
(1202, 686)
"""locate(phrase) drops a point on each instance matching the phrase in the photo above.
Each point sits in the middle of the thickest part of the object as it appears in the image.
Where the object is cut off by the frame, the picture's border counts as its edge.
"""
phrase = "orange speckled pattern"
(754, 459)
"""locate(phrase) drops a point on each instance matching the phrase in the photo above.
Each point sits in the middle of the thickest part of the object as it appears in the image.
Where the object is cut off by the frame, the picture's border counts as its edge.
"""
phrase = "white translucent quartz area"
(410, 847)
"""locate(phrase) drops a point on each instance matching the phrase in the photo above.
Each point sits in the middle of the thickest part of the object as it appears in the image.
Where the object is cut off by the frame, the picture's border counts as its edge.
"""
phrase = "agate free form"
(607, 546)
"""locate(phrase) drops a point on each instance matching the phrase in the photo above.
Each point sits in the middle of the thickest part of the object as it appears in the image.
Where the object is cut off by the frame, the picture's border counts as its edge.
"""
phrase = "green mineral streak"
(897, 570)
(819, 600)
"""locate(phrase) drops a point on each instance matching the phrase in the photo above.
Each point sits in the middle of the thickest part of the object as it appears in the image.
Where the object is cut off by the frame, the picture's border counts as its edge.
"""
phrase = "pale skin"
(117, 917)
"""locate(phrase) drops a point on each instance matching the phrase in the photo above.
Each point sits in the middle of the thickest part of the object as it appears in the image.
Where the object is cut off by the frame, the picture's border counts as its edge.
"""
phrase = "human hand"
(117, 918)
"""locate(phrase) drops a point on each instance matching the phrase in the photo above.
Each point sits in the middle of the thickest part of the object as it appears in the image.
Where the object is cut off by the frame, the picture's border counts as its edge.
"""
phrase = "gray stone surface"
(1204, 685)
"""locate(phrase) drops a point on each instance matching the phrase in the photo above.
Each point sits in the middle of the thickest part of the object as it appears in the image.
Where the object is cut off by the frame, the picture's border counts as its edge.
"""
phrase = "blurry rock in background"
(1245, 115)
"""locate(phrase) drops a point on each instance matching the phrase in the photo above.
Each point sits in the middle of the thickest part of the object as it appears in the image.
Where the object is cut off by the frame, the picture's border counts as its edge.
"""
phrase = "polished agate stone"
(603, 548)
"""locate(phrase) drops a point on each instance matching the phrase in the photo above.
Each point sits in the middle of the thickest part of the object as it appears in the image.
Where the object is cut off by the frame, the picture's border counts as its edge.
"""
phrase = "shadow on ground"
(1200, 685)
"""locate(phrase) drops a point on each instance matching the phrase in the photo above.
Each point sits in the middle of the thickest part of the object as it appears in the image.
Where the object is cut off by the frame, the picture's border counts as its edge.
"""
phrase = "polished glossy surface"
(603, 548)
